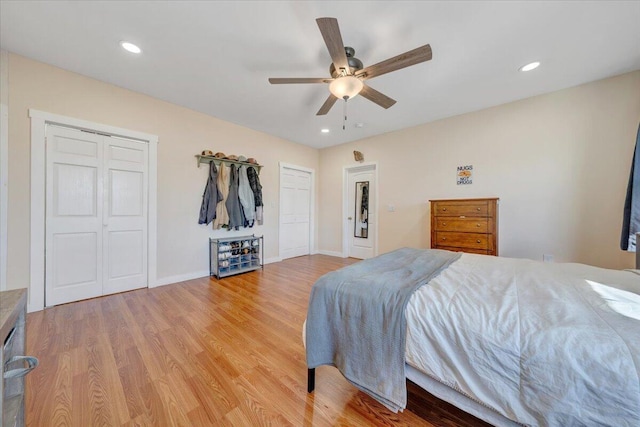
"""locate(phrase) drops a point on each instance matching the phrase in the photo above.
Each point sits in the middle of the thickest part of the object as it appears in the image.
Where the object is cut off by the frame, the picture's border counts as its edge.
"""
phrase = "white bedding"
(533, 341)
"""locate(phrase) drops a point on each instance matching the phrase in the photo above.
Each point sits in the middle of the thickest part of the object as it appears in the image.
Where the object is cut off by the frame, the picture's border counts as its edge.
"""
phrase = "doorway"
(93, 210)
(296, 210)
(360, 211)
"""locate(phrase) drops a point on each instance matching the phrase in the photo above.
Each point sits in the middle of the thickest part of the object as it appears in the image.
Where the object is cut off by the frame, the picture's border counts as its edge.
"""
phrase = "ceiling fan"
(347, 72)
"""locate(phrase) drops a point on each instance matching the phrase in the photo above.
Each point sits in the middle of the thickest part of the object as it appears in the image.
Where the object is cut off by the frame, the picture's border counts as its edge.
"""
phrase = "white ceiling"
(216, 57)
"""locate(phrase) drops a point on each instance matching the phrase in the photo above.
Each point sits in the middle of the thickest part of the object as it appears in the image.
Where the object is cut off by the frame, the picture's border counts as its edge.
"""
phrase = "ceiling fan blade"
(289, 80)
(412, 57)
(327, 105)
(374, 96)
(332, 38)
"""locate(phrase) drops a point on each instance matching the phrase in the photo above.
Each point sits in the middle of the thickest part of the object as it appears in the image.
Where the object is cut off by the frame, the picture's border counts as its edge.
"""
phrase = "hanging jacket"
(236, 217)
(254, 182)
(245, 193)
(211, 197)
(222, 216)
(631, 213)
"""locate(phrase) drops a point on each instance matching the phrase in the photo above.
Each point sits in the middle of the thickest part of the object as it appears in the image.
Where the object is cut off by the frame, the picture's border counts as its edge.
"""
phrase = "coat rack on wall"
(217, 160)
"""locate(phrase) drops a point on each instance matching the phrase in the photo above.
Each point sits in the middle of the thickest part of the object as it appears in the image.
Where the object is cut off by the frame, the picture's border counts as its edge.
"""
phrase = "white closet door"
(125, 215)
(295, 212)
(73, 215)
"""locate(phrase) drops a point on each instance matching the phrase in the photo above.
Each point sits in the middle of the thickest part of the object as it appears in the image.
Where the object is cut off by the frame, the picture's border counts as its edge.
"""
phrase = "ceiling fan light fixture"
(346, 86)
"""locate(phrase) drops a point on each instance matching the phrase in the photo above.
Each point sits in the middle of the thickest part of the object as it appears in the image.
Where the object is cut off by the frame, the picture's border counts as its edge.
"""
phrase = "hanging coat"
(222, 216)
(236, 217)
(211, 197)
(254, 182)
(631, 214)
(246, 197)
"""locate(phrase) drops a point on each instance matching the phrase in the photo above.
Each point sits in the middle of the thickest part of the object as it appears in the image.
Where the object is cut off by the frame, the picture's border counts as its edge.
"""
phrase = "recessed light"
(530, 66)
(325, 130)
(130, 47)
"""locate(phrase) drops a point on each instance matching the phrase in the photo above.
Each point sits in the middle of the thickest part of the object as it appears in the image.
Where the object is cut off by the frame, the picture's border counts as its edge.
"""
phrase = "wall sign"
(465, 175)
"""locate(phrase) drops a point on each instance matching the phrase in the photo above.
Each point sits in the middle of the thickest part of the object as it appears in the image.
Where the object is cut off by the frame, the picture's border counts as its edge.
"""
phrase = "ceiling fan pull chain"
(344, 116)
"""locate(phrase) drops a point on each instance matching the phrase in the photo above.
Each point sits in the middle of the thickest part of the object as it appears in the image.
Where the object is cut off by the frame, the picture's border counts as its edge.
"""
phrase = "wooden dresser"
(465, 225)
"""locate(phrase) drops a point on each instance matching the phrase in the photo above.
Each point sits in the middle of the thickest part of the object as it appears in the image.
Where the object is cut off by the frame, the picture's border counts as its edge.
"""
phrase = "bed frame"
(311, 380)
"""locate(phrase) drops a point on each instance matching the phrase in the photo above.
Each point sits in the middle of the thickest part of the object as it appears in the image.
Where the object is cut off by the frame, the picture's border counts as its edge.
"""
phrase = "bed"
(511, 341)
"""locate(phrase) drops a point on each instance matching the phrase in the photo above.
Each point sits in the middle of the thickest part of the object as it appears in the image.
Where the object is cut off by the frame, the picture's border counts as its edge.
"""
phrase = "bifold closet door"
(125, 215)
(74, 201)
(96, 215)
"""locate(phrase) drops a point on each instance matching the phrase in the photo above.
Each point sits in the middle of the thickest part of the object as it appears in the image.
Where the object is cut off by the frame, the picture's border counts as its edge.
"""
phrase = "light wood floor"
(202, 352)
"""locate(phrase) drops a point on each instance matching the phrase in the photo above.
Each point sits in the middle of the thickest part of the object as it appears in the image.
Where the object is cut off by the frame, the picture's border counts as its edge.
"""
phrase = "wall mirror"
(361, 217)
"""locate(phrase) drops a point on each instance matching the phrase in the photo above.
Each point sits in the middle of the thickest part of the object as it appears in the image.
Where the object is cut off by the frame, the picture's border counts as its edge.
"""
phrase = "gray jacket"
(236, 217)
(211, 197)
(246, 197)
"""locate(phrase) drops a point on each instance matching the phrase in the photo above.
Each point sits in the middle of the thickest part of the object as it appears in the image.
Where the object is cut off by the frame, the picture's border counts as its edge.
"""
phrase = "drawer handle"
(32, 363)
(478, 241)
(444, 209)
(444, 223)
(477, 225)
(478, 208)
(444, 238)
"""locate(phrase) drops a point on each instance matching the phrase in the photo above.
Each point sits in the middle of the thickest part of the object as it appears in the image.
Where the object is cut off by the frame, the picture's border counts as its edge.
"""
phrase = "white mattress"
(468, 329)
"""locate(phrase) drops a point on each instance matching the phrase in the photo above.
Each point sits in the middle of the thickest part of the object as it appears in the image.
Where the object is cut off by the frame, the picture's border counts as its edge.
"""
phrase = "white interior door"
(295, 212)
(73, 215)
(361, 212)
(125, 215)
(96, 215)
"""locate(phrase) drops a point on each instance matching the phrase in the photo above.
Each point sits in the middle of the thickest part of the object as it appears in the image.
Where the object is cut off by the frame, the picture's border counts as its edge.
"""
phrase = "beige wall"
(558, 162)
(182, 243)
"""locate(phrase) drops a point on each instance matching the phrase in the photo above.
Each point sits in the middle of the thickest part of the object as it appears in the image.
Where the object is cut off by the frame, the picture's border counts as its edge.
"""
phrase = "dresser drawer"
(471, 208)
(462, 240)
(471, 225)
(467, 250)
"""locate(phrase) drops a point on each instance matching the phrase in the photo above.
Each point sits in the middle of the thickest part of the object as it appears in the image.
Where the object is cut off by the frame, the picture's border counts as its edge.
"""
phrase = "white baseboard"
(160, 282)
(180, 278)
(332, 253)
(196, 275)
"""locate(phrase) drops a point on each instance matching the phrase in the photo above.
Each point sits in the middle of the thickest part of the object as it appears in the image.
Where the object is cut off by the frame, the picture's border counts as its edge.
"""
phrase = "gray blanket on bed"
(356, 319)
